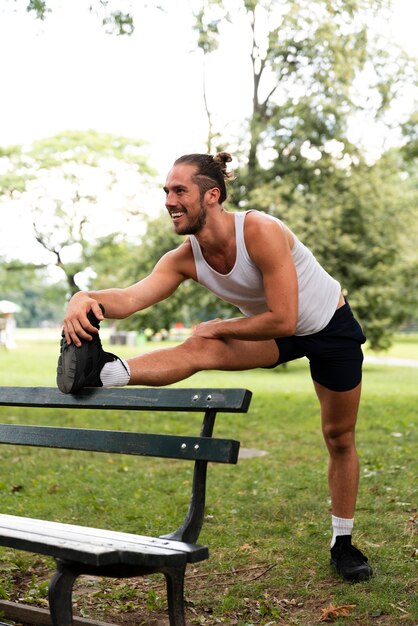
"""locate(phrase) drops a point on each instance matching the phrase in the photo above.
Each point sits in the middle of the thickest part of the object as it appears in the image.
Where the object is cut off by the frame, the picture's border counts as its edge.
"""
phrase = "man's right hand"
(76, 324)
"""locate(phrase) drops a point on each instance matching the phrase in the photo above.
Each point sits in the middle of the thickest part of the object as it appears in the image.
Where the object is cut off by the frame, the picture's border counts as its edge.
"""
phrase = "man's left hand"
(209, 329)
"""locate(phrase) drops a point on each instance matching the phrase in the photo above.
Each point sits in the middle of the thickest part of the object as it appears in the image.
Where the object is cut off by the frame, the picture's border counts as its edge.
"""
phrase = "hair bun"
(224, 157)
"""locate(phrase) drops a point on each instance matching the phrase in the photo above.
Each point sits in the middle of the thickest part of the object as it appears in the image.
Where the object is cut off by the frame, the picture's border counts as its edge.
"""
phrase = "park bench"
(80, 550)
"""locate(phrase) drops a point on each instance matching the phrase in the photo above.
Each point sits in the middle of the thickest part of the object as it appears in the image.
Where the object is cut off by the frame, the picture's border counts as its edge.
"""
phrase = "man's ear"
(212, 195)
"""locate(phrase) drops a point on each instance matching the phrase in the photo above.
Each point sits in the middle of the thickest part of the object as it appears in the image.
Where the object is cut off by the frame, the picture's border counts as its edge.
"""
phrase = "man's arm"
(269, 245)
(169, 272)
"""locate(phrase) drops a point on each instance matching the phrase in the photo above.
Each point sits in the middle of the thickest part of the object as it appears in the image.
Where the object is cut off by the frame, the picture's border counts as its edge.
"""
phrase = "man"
(291, 308)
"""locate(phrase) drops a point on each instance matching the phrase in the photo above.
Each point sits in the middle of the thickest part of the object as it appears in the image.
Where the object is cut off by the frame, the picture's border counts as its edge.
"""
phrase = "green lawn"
(268, 522)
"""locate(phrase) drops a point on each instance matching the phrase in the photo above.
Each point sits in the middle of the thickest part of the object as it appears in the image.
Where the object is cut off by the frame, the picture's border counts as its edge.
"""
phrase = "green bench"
(80, 550)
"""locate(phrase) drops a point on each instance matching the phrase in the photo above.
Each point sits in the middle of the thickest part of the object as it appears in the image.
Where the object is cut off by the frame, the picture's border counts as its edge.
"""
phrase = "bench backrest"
(201, 449)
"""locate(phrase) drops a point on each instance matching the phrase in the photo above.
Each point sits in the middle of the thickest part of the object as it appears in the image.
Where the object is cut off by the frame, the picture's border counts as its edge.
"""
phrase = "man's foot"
(81, 367)
(348, 561)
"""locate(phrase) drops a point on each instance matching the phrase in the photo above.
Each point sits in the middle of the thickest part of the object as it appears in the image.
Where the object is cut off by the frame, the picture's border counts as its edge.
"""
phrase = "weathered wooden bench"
(80, 550)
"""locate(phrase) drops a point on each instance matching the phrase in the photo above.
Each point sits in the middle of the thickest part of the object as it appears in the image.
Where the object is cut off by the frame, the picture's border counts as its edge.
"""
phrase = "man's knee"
(203, 348)
(196, 344)
(339, 438)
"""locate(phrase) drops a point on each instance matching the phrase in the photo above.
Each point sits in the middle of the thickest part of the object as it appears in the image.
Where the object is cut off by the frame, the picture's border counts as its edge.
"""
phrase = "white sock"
(341, 526)
(115, 373)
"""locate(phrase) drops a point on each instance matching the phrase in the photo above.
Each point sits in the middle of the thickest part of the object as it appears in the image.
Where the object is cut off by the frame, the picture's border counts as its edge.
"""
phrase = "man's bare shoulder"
(181, 259)
(257, 221)
(183, 251)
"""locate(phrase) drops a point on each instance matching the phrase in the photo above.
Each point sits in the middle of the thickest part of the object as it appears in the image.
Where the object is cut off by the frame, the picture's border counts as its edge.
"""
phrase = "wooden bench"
(82, 550)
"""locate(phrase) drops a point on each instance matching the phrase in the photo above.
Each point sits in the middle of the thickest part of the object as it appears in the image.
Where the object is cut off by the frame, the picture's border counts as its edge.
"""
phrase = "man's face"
(183, 202)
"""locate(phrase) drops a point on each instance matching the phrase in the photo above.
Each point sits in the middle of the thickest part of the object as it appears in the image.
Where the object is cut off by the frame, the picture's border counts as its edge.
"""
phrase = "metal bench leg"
(60, 596)
(175, 595)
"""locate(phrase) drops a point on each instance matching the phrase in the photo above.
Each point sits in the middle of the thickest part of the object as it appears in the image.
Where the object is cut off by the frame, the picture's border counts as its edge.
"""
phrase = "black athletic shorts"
(334, 353)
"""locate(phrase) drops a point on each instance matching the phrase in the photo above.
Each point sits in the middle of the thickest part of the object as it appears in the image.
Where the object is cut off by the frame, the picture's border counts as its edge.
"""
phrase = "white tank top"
(319, 293)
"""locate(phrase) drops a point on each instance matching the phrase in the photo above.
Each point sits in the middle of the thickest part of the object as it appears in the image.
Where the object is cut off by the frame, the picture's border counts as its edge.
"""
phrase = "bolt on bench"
(82, 550)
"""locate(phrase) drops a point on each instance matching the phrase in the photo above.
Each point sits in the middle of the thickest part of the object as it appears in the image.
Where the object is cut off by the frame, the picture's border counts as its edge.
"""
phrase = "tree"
(314, 66)
(71, 182)
(207, 30)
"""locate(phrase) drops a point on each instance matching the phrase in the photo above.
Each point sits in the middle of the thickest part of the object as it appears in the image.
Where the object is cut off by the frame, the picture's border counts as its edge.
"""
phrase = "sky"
(67, 74)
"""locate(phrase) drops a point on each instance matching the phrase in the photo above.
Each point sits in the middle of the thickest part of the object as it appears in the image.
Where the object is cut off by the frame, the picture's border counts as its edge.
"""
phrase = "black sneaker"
(81, 367)
(348, 561)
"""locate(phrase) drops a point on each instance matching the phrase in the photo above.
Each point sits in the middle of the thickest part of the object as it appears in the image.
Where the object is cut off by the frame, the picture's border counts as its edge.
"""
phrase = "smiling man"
(290, 307)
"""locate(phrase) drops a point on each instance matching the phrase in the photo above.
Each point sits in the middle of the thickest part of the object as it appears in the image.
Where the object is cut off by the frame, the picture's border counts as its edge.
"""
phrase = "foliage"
(41, 301)
(13, 178)
(410, 133)
(356, 221)
(116, 16)
(70, 182)
(314, 65)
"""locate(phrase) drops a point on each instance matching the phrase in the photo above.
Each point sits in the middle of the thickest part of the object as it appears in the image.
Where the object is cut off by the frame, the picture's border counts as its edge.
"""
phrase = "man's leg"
(339, 415)
(170, 365)
(91, 366)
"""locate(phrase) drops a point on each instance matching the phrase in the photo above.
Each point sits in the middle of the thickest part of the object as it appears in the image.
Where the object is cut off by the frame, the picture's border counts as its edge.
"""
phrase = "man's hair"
(211, 171)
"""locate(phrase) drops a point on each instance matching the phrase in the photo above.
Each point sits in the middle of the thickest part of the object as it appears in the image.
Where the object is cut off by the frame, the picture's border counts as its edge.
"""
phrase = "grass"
(267, 521)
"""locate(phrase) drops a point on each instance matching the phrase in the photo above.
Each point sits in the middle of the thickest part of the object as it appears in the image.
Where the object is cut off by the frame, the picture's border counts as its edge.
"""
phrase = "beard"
(193, 227)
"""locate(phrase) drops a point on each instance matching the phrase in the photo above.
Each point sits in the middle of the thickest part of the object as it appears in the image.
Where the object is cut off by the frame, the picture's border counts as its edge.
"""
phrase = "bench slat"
(65, 542)
(136, 399)
(94, 535)
(122, 442)
(84, 553)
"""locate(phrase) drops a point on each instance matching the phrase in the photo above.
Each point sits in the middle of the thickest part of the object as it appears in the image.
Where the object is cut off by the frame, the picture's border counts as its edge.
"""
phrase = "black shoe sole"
(67, 366)
(70, 379)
